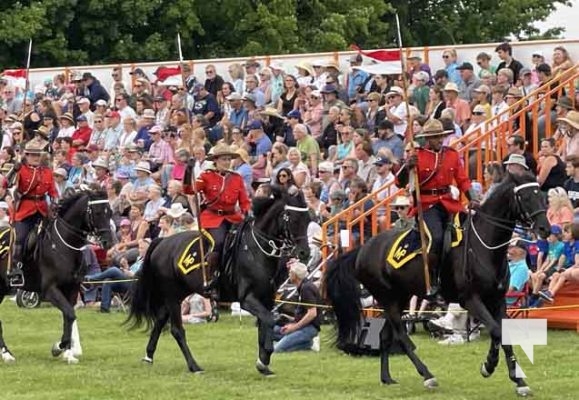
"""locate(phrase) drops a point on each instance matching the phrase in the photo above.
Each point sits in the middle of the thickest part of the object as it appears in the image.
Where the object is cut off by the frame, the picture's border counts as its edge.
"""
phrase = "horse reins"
(288, 242)
(79, 232)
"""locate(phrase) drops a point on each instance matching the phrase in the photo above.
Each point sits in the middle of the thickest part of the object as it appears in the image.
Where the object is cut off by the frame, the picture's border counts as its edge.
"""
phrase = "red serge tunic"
(33, 184)
(222, 193)
(437, 171)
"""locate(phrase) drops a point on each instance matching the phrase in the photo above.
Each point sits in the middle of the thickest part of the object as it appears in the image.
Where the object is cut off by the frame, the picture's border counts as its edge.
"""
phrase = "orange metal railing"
(478, 148)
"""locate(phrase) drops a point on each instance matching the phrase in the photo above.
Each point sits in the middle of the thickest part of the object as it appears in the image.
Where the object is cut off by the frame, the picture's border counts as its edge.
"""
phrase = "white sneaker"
(443, 322)
(451, 340)
(316, 344)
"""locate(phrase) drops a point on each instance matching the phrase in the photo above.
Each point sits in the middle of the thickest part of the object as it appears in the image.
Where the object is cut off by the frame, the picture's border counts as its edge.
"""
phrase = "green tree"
(77, 32)
(439, 22)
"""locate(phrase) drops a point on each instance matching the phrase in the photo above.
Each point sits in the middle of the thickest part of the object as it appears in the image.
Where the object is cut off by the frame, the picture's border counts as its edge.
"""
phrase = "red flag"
(163, 73)
(15, 73)
(380, 55)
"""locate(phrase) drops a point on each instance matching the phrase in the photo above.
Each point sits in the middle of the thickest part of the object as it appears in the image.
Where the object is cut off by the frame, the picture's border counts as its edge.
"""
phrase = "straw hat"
(572, 118)
(67, 116)
(100, 163)
(220, 150)
(451, 87)
(33, 147)
(148, 113)
(517, 159)
(61, 172)
(143, 166)
(401, 201)
(176, 210)
(242, 153)
(395, 90)
(43, 131)
(306, 66)
(433, 128)
(272, 112)
(332, 64)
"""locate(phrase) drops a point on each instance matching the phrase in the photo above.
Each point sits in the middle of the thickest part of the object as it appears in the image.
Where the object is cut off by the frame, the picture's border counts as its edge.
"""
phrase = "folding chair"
(518, 307)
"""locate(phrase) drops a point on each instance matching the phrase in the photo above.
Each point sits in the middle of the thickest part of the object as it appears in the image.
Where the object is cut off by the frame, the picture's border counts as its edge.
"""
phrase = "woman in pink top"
(560, 211)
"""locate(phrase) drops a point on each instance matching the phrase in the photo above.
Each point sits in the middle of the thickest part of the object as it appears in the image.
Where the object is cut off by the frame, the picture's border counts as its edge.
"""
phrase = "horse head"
(88, 210)
(528, 205)
(285, 216)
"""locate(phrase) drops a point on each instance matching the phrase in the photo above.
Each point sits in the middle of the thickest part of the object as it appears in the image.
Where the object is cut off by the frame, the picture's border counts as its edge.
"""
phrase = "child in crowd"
(568, 265)
(548, 265)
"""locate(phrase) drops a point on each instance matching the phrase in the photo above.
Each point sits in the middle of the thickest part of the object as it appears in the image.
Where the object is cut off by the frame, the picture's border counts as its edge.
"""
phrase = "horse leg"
(7, 357)
(160, 322)
(386, 341)
(59, 300)
(265, 332)
(178, 333)
(477, 308)
(522, 388)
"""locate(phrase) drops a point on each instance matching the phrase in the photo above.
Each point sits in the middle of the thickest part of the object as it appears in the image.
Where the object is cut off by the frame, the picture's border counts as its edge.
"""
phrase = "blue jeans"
(295, 341)
(112, 273)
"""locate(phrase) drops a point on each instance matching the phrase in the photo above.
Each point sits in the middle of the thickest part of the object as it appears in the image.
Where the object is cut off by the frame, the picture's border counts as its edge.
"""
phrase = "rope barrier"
(325, 306)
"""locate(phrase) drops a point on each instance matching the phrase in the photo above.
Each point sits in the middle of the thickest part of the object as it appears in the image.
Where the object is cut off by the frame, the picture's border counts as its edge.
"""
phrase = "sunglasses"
(118, 99)
(445, 56)
(346, 166)
(398, 208)
(371, 101)
(282, 176)
(209, 72)
(98, 121)
(478, 113)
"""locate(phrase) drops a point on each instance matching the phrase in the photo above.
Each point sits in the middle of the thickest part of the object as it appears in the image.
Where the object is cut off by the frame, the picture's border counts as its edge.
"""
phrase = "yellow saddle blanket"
(407, 244)
(190, 258)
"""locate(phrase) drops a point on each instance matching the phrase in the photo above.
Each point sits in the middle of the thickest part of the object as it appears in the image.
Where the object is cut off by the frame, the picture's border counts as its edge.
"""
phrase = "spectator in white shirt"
(396, 110)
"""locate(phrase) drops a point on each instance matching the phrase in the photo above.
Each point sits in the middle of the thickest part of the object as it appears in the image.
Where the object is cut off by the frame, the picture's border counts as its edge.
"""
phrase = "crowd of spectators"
(334, 134)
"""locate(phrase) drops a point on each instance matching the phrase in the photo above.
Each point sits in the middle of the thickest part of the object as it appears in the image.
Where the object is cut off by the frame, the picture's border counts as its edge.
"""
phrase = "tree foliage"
(75, 32)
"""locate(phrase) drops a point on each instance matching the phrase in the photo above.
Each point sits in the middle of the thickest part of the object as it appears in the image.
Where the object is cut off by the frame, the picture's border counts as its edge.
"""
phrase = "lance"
(413, 175)
(195, 198)
(27, 84)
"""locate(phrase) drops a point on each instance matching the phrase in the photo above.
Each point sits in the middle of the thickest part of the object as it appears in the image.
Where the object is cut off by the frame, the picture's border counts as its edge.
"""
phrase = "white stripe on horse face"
(298, 209)
(92, 202)
(526, 185)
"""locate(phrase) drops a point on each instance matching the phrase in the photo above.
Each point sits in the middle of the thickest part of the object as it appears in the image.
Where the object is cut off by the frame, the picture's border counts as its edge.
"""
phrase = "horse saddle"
(407, 243)
(190, 258)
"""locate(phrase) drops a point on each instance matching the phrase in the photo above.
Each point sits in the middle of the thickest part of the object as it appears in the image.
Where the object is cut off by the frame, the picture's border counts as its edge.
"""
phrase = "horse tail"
(343, 290)
(145, 300)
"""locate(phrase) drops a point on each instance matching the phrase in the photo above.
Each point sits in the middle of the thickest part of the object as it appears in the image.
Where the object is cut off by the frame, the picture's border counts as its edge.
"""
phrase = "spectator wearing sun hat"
(460, 106)
(396, 110)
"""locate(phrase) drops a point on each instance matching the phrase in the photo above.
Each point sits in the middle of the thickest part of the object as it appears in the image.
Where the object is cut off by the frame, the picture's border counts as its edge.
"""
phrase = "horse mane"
(507, 185)
(71, 196)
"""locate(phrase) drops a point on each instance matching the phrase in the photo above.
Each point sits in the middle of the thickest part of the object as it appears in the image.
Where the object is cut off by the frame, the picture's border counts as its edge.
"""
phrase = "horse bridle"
(285, 246)
(506, 224)
(92, 231)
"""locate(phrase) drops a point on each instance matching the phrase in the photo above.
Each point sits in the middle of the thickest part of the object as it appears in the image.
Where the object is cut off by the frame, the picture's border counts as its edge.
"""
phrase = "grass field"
(111, 369)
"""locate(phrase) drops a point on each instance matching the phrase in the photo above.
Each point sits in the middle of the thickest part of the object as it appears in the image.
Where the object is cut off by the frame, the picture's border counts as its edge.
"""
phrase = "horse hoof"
(389, 381)
(198, 371)
(431, 383)
(484, 372)
(69, 357)
(77, 351)
(147, 360)
(523, 391)
(7, 357)
(264, 369)
(56, 350)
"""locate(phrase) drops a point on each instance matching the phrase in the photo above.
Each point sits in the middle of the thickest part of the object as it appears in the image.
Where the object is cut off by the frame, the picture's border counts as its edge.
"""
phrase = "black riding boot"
(212, 273)
(433, 269)
(16, 275)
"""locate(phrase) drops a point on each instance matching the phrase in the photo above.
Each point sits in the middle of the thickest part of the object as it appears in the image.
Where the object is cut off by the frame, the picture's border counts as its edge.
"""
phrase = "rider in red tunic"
(33, 183)
(226, 200)
(439, 167)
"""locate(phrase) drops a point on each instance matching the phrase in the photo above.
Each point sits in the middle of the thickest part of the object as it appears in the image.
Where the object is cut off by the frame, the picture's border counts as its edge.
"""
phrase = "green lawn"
(110, 367)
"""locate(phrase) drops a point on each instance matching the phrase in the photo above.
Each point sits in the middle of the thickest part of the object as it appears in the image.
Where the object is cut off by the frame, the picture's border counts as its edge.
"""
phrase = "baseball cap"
(381, 160)
(465, 66)
(255, 124)
(294, 114)
(556, 230)
(81, 118)
(518, 243)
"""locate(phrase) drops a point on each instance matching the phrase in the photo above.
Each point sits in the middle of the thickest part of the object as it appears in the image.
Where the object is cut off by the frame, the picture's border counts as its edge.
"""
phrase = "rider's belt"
(33, 197)
(222, 212)
(435, 192)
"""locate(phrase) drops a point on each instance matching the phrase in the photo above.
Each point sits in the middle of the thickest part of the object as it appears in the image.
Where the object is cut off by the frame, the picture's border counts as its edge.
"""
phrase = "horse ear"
(276, 191)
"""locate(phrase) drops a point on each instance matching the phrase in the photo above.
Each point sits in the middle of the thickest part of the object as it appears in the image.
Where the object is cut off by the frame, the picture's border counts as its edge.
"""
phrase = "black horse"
(249, 273)
(53, 260)
(475, 274)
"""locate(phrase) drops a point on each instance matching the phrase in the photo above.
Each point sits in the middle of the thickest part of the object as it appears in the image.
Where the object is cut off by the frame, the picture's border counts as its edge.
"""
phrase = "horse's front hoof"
(484, 372)
(147, 360)
(523, 391)
(69, 357)
(7, 357)
(431, 383)
(56, 350)
(389, 381)
(264, 369)
(198, 371)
